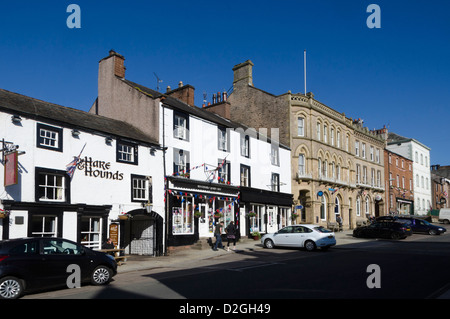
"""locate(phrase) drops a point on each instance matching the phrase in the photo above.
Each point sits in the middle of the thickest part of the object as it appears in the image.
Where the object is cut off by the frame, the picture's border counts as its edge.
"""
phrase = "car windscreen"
(322, 229)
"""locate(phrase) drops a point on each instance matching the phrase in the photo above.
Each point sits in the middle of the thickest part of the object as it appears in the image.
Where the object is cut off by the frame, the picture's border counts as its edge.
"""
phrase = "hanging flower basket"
(3, 213)
(251, 214)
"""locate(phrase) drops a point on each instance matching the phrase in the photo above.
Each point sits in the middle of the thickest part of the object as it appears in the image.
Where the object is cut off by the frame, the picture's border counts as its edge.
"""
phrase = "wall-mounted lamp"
(75, 133)
(152, 151)
(16, 119)
(108, 140)
(148, 207)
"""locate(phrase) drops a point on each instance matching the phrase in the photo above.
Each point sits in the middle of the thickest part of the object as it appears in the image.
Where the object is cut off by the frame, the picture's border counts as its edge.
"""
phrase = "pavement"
(184, 257)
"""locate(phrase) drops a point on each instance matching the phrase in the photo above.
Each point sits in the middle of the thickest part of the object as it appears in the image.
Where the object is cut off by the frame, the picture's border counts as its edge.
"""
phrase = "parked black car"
(36, 263)
(417, 225)
(385, 229)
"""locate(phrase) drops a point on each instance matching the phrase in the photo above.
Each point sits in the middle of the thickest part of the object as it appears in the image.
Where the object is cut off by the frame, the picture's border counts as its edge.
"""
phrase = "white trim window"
(51, 187)
(181, 163)
(245, 145)
(125, 153)
(300, 126)
(140, 188)
(180, 127)
(358, 206)
(274, 155)
(183, 216)
(43, 226)
(91, 232)
(245, 176)
(301, 165)
(323, 208)
(49, 137)
(223, 139)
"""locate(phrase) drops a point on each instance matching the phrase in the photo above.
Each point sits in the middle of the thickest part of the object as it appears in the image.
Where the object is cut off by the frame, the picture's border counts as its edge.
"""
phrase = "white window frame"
(56, 190)
(92, 237)
(180, 127)
(45, 233)
(300, 126)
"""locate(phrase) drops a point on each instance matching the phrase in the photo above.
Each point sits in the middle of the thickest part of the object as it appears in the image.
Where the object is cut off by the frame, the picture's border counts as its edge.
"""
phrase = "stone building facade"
(337, 165)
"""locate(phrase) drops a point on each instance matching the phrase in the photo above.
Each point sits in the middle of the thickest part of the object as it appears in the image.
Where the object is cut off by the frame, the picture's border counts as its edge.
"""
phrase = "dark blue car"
(417, 225)
(37, 263)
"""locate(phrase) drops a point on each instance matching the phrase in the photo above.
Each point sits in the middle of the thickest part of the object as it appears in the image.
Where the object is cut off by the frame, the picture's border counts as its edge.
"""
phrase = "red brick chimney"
(183, 93)
(119, 65)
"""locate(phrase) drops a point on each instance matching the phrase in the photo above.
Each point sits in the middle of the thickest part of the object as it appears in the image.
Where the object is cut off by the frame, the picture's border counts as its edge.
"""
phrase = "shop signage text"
(100, 169)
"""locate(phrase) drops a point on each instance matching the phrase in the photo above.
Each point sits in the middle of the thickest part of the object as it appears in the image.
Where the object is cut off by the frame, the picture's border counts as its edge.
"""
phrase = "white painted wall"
(84, 189)
(203, 148)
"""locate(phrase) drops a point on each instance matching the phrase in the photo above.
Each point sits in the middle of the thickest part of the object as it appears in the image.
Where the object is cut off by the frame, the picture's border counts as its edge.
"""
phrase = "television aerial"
(158, 80)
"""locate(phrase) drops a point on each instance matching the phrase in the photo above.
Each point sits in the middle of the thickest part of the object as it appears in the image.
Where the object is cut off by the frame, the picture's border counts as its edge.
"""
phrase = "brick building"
(399, 183)
(440, 186)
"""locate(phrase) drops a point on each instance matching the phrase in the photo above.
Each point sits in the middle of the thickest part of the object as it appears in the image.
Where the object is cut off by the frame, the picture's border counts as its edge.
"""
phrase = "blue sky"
(398, 75)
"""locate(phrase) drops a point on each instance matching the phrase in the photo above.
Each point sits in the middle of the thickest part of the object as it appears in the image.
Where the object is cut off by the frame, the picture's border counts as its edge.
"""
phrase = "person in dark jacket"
(218, 235)
(231, 235)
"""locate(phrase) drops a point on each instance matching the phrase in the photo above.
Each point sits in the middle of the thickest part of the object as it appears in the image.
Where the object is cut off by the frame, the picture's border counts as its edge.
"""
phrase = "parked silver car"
(304, 236)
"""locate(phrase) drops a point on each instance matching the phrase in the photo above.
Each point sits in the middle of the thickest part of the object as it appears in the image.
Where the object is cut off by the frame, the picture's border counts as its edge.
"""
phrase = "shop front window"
(43, 226)
(284, 216)
(91, 232)
(183, 215)
(257, 222)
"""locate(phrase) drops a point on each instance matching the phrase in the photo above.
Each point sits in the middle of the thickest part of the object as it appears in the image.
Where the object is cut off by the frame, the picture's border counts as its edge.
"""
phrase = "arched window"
(337, 210)
(301, 164)
(358, 206)
(323, 208)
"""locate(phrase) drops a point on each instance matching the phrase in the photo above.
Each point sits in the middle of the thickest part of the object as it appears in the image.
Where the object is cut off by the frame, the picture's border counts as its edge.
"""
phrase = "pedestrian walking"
(231, 235)
(218, 235)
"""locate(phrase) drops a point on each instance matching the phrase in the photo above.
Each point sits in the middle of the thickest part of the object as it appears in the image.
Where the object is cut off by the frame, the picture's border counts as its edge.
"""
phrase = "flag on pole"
(72, 166)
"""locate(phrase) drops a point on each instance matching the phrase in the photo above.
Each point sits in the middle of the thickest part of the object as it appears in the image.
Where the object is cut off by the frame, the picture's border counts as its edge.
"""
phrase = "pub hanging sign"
(11, 169)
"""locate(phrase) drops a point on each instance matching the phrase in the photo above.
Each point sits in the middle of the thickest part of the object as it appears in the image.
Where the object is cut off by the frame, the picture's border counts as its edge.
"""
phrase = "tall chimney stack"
(119, 65)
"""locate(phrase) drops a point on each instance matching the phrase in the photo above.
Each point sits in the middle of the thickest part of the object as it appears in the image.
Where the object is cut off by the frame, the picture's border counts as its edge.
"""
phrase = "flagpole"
(304, 68)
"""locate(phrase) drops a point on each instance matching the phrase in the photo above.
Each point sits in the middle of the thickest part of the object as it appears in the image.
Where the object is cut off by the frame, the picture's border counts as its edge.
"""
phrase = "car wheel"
(101, 276)
(310, 245)
(395, 236)
(268, 243)
(432, 232)
(10, 288)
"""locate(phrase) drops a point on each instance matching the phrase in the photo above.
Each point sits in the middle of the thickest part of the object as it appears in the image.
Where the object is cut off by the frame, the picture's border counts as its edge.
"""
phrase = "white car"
(306, 236)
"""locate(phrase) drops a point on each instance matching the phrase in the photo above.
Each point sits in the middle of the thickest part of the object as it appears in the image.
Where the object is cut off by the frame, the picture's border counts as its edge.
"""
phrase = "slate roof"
(181, 106)
(29, 107)
(193, 110)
